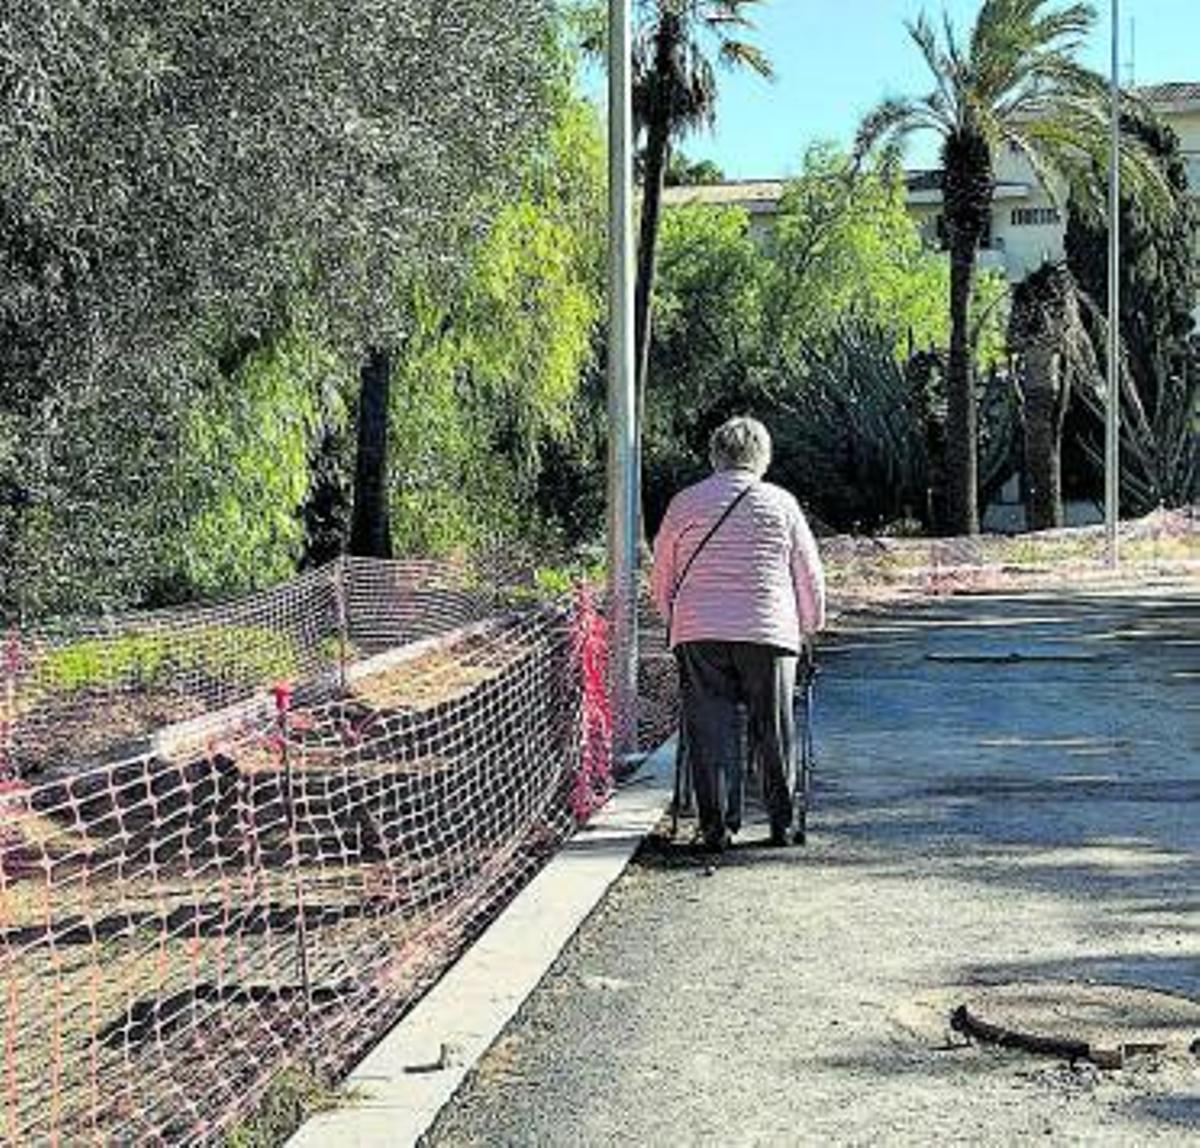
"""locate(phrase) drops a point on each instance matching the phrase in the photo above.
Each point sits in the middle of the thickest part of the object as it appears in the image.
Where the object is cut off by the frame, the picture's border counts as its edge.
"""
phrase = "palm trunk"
(962, 454)
(967, 194)
(370, 530)
(1043, 439)
(658, 147)
(657, 151)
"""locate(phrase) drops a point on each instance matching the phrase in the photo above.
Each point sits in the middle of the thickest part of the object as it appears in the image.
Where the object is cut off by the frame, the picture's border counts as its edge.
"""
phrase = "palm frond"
(1009, 34)
(737, 53)
(693, 92)
(721, 19)
(922, 34)
(1066, 28)
(954, 54)
(1075, 139)
(1047, 163)
(892, 121)
(716, 13)
(1059, 75)
(675, 46)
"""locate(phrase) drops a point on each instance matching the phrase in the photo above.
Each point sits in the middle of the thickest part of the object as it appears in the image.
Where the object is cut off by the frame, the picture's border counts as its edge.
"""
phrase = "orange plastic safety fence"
(237, 840)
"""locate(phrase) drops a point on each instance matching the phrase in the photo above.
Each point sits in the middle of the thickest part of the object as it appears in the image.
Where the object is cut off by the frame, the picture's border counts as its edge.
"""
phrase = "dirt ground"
(1007, 815)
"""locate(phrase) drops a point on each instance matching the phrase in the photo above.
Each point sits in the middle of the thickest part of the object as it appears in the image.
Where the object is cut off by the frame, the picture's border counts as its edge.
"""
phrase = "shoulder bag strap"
(696, 553)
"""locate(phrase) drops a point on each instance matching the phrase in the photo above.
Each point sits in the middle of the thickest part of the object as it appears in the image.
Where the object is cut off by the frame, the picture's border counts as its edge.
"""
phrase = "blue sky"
(835, 59)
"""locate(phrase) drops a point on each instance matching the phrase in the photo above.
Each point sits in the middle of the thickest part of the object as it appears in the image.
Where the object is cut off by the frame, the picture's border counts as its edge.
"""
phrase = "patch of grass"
(155, 663)
(1049, 551)
(334, 648)
(292, 1097)
(563, 581)
(152, 658)
(1166, 549)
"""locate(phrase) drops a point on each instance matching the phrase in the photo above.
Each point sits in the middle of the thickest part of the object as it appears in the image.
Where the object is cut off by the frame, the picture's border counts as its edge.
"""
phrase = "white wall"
(1026, 244)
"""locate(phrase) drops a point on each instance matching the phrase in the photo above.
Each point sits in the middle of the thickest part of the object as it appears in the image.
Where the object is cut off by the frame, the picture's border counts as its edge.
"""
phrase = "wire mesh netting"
(864, 570)
(245, 838)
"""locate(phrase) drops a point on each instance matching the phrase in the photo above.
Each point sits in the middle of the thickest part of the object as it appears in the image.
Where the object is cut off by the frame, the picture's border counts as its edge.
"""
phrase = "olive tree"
(178, 182)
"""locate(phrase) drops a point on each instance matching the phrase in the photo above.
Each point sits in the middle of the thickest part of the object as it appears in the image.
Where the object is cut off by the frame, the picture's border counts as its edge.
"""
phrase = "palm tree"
(675, 91)
(1014, 82)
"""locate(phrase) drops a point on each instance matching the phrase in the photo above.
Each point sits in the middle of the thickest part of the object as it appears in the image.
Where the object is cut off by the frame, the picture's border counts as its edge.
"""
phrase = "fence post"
(282, 692)
(343, 621)
(12, 665)
(593, 781)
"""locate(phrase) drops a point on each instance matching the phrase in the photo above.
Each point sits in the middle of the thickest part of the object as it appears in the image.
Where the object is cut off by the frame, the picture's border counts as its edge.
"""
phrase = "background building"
(1027, 228)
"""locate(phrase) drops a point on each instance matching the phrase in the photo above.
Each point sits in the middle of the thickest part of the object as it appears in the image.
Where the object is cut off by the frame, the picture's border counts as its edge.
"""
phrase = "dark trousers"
(714, 678)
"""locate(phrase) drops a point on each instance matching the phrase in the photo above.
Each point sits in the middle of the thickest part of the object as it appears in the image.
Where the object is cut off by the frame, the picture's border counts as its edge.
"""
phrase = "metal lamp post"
(1112, 409)
(622, 453)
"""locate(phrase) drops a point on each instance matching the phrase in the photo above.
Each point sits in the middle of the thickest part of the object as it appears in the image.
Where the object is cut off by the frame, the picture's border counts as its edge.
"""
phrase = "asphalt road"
(1008, 794)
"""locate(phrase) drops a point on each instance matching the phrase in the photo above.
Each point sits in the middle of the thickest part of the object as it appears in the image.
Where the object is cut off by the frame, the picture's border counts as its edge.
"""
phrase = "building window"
(1035, 216)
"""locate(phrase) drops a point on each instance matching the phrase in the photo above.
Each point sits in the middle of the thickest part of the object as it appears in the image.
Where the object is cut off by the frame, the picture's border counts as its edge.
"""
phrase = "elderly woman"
(739, 582)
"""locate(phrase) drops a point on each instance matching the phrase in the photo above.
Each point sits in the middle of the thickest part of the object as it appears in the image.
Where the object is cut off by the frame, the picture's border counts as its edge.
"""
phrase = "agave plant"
(1160, 426)
(1160, 357)
(860, 434)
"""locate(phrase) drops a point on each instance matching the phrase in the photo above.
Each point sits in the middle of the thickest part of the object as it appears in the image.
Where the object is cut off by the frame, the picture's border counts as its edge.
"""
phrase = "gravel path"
(1009, 792)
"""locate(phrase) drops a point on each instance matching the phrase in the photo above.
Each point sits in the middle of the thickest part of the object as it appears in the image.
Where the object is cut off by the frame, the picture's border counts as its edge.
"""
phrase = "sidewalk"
(1008, 794)
(400, 1087)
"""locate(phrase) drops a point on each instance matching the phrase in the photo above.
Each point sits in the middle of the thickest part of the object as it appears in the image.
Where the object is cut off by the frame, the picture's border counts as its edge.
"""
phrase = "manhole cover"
(1065, 1018)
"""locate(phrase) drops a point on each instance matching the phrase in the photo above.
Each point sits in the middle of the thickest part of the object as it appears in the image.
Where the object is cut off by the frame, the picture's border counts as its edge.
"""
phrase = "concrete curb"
(460, 1017)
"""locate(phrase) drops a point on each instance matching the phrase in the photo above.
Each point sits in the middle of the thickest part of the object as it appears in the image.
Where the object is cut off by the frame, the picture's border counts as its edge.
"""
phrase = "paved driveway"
(1008, 794)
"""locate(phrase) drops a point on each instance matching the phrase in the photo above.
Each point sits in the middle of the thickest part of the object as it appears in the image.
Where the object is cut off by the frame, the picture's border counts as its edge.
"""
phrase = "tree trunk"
(967, 194)
(326, 508)
(14, 504)
(370, 530)
(657, 154)
(1043, 438)
(962, 454)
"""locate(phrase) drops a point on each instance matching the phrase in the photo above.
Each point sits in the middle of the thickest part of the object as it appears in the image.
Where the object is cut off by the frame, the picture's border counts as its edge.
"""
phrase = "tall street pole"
(622, 444)
(1112, 409)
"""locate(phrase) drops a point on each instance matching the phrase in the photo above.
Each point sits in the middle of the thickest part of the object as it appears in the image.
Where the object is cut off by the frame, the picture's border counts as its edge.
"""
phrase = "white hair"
(740, 443)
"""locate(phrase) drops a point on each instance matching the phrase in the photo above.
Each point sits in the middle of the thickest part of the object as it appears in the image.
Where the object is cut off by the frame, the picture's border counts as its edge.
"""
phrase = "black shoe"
(780, 836)
(714, 842)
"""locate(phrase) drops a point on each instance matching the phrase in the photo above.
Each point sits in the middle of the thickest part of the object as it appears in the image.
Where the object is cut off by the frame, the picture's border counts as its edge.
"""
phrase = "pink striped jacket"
(759, 577)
